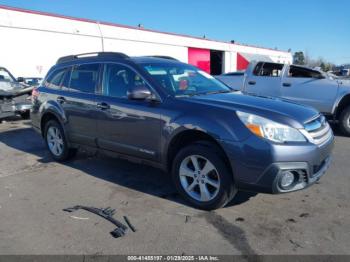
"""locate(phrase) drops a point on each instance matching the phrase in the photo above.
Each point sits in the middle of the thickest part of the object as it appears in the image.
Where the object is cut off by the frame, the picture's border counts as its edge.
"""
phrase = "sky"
(319, 27)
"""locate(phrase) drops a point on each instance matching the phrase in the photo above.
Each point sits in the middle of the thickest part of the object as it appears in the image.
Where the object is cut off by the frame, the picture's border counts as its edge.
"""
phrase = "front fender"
(227, 127)
(341, 95)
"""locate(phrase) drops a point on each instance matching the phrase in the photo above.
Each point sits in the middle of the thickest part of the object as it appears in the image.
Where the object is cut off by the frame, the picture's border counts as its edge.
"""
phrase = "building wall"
(31, 42)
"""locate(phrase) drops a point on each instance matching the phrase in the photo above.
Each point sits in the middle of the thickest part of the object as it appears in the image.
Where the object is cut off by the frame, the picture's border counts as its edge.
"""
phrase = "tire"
(25, 115)
(55, 133)
(206, 156)
(344, 121)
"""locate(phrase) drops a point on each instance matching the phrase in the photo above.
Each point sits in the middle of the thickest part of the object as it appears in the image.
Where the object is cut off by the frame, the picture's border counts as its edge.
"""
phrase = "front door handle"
(103, 106)
(61, 99)
(287, 84)
(252, 83)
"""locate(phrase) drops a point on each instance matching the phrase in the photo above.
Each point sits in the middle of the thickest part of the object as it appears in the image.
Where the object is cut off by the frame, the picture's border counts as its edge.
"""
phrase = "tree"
(323, 66)
(299, 58)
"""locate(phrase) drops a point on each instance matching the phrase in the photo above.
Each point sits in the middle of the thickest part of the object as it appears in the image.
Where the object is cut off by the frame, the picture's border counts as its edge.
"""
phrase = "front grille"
(319, 130)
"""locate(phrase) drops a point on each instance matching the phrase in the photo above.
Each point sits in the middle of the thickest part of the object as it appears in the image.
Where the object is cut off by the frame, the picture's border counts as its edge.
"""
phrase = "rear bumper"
(258, 165)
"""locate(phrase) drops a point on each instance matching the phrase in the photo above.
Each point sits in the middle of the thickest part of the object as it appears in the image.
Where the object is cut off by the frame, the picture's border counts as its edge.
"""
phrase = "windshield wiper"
(206, 93)
(187, 95)
(216, 92)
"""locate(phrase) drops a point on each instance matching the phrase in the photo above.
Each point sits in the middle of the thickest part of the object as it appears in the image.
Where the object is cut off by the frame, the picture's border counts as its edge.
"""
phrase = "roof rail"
(94, 54)
(163, 56)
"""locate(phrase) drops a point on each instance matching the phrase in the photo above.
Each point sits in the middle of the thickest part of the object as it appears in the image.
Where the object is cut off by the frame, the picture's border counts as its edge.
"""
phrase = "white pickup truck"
(299, 84)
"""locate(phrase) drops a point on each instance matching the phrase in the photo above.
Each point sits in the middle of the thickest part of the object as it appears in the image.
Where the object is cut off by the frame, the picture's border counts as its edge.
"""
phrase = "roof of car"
(112, 56)
(153, 59)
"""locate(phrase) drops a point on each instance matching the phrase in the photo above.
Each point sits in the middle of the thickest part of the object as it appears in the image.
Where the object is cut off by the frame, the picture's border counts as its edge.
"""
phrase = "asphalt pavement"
(34, 190)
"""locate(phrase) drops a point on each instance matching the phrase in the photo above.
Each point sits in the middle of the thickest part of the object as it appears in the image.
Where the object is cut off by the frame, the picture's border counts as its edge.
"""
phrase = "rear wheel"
(344, 121)
(56, 141)
(202, 177)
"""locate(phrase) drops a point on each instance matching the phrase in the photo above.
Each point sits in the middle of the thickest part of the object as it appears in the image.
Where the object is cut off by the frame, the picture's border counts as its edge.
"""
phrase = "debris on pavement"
(131, 226)
(304, 215)
(80, 218)
(106, 213)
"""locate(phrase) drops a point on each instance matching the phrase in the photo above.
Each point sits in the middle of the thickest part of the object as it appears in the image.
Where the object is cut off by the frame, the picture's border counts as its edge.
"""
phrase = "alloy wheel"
(55, 141)
(199, 178)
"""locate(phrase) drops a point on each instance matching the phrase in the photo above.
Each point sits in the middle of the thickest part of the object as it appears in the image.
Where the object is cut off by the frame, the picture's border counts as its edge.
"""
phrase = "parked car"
(19, 93)
(30, 81)
(300, 84)
(173, 116)
(6, 107)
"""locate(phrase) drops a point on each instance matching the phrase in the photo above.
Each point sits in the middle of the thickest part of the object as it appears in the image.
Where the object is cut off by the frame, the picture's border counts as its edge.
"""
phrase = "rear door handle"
(103, 106)
(287, 84)
(252, 83)
(61, 99)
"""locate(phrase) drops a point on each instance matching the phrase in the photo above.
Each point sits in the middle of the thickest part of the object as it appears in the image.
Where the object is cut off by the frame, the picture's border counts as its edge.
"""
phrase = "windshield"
(32, 81)
(5, 76)
(184, 80)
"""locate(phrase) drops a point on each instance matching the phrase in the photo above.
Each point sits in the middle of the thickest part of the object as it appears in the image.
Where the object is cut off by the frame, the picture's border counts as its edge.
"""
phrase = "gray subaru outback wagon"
(159, 111)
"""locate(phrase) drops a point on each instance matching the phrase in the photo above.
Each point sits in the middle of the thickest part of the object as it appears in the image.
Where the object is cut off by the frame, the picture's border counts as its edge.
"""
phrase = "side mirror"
(139, 93)
(20, 79)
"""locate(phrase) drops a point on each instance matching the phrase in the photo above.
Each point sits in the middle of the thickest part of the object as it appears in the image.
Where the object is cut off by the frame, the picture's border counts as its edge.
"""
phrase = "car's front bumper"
(257, 164)
(22, 107)
(6, 109)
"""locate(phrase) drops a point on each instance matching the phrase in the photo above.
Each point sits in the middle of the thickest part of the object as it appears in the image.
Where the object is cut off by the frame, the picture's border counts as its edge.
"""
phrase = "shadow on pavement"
(138, 177)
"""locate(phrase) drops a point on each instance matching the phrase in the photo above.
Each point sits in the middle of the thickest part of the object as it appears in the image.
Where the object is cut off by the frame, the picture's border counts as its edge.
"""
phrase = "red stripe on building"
(242, 63)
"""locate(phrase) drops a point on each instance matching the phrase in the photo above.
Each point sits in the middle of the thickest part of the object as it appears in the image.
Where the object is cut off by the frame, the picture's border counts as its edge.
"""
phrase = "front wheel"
(56, 141)
(202, 177)
(344, 121)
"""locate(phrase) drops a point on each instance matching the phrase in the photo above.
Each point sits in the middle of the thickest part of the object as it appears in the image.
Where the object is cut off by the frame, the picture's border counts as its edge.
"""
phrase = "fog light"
(287, 179)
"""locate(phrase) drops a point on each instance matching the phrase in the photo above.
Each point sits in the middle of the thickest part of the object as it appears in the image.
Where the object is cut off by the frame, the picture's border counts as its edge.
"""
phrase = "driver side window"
(118, 79)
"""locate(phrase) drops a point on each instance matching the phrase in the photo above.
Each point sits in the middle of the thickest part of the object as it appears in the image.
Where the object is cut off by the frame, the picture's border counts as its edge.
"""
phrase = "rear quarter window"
(54, 80)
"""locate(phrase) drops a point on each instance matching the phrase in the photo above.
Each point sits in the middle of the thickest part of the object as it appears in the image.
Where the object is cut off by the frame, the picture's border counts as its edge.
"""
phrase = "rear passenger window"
(84, 78)
(300, 72)
(55, 79)
(118, 79)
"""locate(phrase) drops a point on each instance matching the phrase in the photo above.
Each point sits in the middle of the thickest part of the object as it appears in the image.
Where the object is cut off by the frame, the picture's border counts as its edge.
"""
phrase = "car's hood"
(10, 86)
(13, 89)
(273, 108)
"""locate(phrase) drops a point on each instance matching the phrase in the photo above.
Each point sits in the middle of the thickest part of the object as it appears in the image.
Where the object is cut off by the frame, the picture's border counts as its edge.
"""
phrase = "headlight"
(271, 130)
